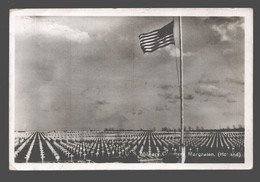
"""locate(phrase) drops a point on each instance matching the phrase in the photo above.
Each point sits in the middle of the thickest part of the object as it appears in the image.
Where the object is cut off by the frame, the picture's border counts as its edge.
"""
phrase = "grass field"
(216, 146)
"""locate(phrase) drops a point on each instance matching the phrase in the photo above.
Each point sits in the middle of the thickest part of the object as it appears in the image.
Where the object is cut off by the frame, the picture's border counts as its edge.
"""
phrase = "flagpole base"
(183, 154)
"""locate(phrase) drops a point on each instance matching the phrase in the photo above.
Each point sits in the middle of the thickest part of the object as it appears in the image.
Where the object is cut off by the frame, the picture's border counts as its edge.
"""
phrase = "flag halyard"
(156, 39)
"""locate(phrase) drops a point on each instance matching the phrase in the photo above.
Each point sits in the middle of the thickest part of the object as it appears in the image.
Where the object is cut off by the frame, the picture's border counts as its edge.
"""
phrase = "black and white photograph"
(98, 89)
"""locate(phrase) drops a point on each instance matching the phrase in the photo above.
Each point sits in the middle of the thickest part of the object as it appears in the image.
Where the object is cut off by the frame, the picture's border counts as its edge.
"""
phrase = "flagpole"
(182, 146)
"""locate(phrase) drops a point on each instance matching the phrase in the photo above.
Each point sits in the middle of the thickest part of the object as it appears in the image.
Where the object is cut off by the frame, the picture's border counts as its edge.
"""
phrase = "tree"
(166, 129)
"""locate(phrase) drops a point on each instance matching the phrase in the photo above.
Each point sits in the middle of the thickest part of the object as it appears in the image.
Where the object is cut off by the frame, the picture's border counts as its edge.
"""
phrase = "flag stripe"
(150, 37)
(147, 34)
(157, 45)
(153, 38)
(156, 39)
(151, 50)
(161, 33)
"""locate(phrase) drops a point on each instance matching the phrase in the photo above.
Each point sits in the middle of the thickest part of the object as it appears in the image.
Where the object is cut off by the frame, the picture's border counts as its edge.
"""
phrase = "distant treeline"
(201, 129)
(178, 130)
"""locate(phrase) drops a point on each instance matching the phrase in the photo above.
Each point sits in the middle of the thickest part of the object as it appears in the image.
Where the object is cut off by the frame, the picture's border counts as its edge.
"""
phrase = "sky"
(90, 73)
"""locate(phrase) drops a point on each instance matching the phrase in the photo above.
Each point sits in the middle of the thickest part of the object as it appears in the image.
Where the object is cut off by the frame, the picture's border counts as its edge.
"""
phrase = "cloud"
(204, 79)
(228, 28)
(138, 112)
(175, 52)
(231, 100)
(120, 74)
(165, 86)
(166, 95)
(115, 120)
(188, 54)
(228, 51)
(234, 80)
(222, 31)
(83, 92)
(227, 114)
(39, 27)
(162, 108)
(186, 96)
(103, 102)
(211, 90)
(172, 101)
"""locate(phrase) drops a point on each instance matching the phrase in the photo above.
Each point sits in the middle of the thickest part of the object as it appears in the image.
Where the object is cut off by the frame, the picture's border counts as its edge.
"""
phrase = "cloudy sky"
(90, 72)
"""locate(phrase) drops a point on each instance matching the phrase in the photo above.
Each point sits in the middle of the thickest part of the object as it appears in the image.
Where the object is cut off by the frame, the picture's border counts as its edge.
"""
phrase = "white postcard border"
(248, 106)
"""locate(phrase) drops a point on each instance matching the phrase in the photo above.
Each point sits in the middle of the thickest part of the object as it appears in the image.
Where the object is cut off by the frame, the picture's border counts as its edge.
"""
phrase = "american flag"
(156, 39)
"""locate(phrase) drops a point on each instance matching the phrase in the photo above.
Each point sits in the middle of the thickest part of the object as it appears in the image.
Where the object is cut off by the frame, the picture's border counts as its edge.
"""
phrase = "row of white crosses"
(27, 156)
(17, 141)
(222, 136)
(68, 149)
(97, 144)
(106, 147)
(211, 138)
(233, 141)
(198, 140)
(209, 142)
(155, 144)
(42, 156)
(63, 150)
(111, 148)
(164, 141)
(218, 139)
(222, 140)
(20, 137)
(192, 140)
(53, 151)
(137, 142)
(142, 146)
(236, 139)
(201, 140)
(110, 145)
(71, 147)
(149, 145)
(134, 142)
(173, 138)
(162, 144)
(81, 149)
(21, 147)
